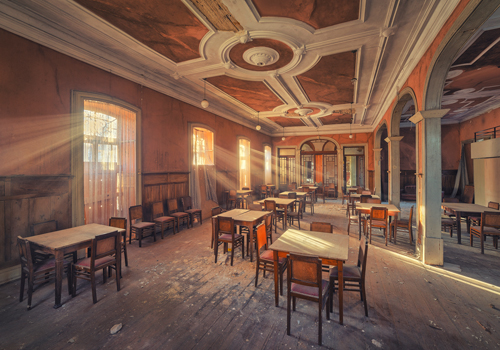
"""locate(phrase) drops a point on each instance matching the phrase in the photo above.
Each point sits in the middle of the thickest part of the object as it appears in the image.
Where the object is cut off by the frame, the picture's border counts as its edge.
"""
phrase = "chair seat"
(486, 230)
(179, 215)
(309, 291)
(142, 225)
(227, 237)
(99, 262)
(164, 219)
(350, 271)
(268, 256)
(377, 223)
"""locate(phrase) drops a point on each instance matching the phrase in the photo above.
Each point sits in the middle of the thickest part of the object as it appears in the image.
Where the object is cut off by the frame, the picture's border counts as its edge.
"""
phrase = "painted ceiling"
(302, 66)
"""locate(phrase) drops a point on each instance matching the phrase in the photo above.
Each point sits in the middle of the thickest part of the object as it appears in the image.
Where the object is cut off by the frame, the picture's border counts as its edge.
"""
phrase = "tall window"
(109, 156)
(244, 146)
(267, 164)
(203, 147)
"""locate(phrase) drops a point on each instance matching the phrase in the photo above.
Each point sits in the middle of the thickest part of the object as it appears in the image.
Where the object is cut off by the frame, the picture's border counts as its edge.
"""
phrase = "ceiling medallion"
(261, 56)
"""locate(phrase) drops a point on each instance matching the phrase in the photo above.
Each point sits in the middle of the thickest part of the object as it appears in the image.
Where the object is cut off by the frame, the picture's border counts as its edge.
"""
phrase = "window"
(203, 146)
(244, 146)
(267, 164)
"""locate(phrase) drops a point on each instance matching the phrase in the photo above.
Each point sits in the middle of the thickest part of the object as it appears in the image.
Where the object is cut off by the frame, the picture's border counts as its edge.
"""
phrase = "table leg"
(59, 256)
(459, 228)
(276, 287)
(340, 269)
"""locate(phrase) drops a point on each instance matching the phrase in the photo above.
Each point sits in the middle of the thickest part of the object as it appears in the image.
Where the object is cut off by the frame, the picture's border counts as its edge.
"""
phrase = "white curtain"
(109, 161)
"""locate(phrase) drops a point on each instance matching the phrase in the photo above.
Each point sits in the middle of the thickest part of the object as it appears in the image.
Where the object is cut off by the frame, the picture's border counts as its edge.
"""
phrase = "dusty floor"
(173, 296)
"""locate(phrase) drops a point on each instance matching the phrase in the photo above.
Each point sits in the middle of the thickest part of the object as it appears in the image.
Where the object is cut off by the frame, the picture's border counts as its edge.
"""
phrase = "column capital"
(393, 138)
(433, 113)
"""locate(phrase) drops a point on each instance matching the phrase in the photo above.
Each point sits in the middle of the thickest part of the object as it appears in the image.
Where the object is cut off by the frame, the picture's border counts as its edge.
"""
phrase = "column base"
(432, 251)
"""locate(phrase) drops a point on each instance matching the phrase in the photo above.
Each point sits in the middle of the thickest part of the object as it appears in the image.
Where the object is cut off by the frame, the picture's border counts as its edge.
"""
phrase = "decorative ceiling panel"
(318, 14)
(329, 81)
(473, 80)
(254, 94)
(167, 27)
(336, 118)
(284, 51)
(287, 122)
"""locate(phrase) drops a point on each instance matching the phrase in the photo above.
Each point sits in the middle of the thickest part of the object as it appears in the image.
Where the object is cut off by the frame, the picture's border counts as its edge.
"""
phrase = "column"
(378, 175)
(394, 169)
(429, 192)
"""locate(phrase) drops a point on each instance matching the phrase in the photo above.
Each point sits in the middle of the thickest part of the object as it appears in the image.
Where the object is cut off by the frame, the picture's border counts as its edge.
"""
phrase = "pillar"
(430, 243)
(394, 169)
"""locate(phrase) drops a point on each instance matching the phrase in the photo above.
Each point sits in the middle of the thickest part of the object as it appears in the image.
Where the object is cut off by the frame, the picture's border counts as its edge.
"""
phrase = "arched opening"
(319, 162)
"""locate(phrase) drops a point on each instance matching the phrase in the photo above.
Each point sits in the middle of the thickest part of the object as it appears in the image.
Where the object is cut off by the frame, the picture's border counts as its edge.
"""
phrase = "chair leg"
(21, 291)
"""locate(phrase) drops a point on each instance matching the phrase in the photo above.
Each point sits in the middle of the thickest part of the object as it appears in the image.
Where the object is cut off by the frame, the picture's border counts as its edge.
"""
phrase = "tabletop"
(279, 201)
(467, 207)
(368, 206)
(334, 246)
(70, 236)
(299, 194)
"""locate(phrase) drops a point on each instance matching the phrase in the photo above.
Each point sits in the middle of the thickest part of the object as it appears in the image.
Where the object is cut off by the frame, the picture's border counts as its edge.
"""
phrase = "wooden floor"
(173, 296)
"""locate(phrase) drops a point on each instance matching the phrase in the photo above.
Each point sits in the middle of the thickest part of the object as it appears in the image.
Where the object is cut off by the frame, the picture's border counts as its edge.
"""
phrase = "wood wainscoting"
(162, 186)
(27, 200)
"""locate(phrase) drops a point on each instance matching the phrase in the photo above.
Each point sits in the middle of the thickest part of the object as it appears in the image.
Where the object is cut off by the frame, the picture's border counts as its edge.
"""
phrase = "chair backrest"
(172, 206)
(468, 195)
(118, 222)
(322, 227)
(254, 206)
(216, 211)
(494, 205)
(43, 227)
(490, 219)
(379, 213)
(362, 257)
(225, 225)
(104, 245)
(374, 200)
(261, 237)
(25, 252)
(292, 195)
(270, 205)
(304, 270)
(187, 203)
(157, 210)
(135, 213)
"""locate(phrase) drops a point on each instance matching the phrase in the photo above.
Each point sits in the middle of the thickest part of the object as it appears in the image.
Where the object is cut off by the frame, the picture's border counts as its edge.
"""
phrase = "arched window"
(319, 162)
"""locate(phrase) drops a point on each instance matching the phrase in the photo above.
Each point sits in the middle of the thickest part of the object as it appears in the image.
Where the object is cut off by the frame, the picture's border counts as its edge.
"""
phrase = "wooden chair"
(103, 255)
(331, 190)
(322, 227)
(490, 226)
(270, 205)
(403, 224)
(226, 235)
(354, 276)
(121, 223)
(162, 221)
(476, 220)
(304, 281)
(379, 218)
(173, 210)
(140, 228)
(296, 214)
(37, 273)
(187, 206)
(265, 259)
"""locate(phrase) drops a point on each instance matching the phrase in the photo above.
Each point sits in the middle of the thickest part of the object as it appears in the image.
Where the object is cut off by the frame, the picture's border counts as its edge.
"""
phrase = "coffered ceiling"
(308, 66)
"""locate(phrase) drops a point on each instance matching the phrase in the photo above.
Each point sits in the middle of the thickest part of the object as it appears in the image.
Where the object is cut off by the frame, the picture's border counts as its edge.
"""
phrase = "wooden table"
(69, 240)
(466, 210)
(365, 208)
(283, 203)
(333, 249)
